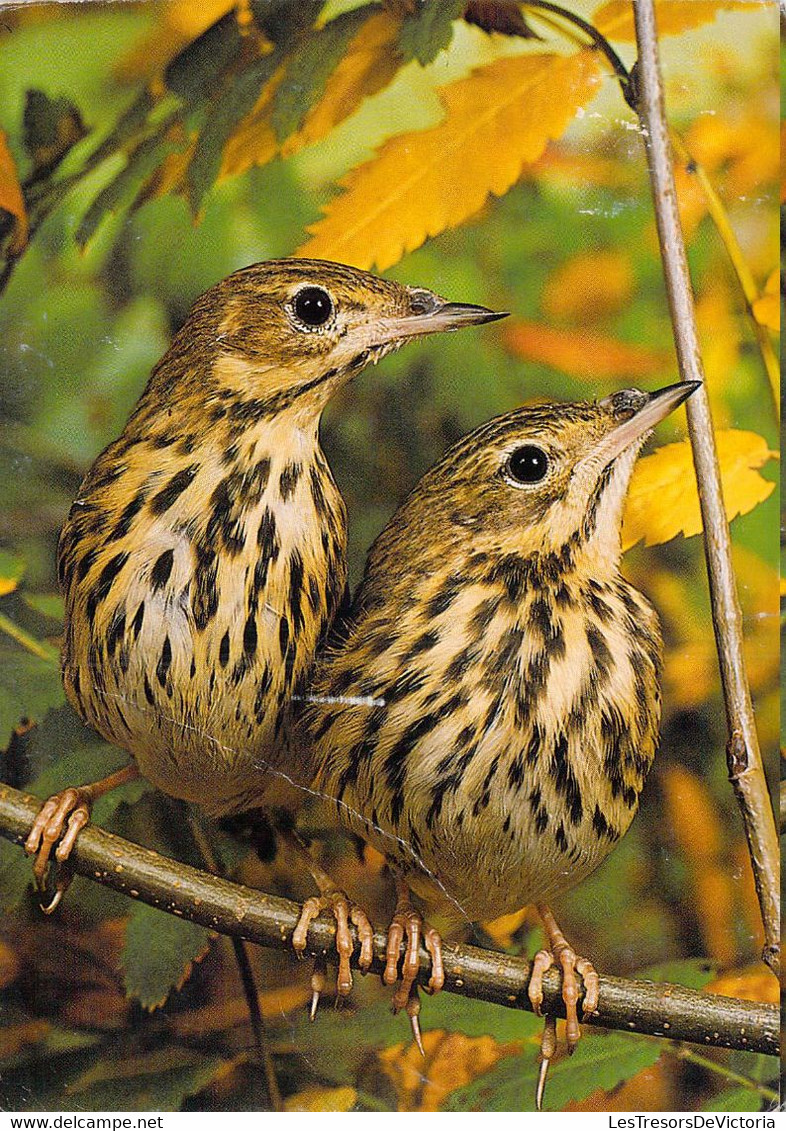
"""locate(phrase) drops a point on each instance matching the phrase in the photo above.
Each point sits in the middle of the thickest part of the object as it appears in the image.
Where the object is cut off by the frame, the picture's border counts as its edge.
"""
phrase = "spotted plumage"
(489, 714)
(205, 556)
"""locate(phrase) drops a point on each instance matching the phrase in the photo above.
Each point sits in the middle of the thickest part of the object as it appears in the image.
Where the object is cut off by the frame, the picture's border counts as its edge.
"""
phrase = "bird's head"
(543, 478)
(293, 330)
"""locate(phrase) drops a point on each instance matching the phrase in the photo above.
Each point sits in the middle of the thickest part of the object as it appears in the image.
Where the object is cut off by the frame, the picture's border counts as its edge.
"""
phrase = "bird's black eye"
(313, 306)
(528, 464)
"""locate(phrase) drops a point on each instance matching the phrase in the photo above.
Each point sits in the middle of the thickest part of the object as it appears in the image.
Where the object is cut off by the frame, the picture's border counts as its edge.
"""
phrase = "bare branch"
(639, 1007)
(746, 770)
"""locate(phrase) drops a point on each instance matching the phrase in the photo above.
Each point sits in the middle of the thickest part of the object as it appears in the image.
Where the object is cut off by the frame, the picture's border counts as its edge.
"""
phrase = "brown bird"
(488, 716)
(204, 558)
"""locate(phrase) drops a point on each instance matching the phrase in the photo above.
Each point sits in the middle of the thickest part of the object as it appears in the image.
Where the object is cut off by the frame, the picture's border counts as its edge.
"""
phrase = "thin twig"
(638, 1007)
(214, 865)
(38, 648)
(738, 261)
(746, 770)
(683, 1052)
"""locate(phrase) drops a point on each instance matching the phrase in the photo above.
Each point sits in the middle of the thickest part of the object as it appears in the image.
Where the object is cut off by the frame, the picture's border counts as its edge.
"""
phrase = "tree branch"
(746, 770)
(231, 909)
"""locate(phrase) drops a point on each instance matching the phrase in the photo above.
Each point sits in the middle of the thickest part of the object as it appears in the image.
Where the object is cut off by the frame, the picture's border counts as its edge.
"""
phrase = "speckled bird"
(204, 558)
(489, 713)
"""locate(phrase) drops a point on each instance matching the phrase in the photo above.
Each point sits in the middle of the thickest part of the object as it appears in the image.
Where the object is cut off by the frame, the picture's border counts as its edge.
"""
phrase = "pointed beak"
(430, 314)
(640, 412)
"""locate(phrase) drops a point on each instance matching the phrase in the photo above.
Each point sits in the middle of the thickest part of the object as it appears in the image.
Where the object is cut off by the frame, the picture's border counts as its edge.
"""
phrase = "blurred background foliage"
(571, 251)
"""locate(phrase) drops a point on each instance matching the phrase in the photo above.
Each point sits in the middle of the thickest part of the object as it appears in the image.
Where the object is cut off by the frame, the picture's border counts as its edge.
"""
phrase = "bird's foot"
(408, 923)
(560, 952)
(59, 822)
(344, 912)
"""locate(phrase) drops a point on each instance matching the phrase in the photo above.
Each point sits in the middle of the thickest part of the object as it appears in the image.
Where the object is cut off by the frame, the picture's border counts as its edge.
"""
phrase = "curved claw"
(413, 1012)
(59, 822)
(571, 965)
(408, 923)
(548, 1044)
(318, 980)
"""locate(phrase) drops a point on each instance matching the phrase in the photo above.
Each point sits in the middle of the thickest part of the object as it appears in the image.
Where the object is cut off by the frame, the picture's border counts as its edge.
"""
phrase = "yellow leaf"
(719, 337)
(12, 568)
(452, 1060)
(322, 1099)
(697, 830)
(663, 500)
(582, 354)
(254, 141)
(369, 65)
(11, 199)
(502, 929)
(751, 983)
(589, 286)
(179, 22)
(497, 120)
(650, 1089)
(691, 200)
(743, 140)
(767, 308)
(615, 18)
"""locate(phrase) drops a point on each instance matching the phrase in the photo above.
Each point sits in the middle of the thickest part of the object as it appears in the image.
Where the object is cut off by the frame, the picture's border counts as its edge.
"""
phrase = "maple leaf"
(585, 355)
(663, 500)
(615, 18)
(497, 120)
(11, 199)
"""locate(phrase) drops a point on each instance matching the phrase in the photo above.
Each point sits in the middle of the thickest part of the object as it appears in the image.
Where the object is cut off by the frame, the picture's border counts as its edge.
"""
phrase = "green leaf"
(90, 761)
(735, 1099)
(282, 21)
(151, 1081)
(310, 67)
(51, 126)
(11, 569)
(224, 115)
(693, 973)
(429, 30)
(29, 686)
(142, 161)
(132, 122)
(48, 604)
(339, 1045)
(194, 73)
(600, 1061)
(53, 1040)
(159, 952)
(16, 875)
